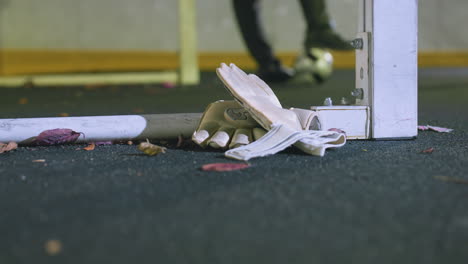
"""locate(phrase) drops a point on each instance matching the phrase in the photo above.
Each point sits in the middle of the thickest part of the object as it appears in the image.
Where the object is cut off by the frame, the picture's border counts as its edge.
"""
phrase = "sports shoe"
(275, 72)
(314, 66)
(327, 39)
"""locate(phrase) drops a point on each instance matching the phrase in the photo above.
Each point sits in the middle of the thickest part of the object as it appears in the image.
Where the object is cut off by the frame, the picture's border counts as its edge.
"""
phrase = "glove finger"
(204, 132)
(241, 137)
(258, 132)
(257, 85)
(221, 138)
(264, 87)
(230, 80)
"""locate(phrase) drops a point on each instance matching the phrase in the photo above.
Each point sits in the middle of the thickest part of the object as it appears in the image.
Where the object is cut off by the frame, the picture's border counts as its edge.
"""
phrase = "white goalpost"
(385, 89)
(386, 74)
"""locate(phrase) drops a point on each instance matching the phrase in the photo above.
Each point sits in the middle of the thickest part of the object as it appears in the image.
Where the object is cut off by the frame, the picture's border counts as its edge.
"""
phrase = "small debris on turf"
(53, 247)
(224, 166)
(138, 110)
(94, 86)
(151, 90)
(57, 136)
(100, 143)
(39, 160)
(435, 128)
(91, 146)
(8, 147)
(180, 141)
(63, 114)
(151, 149)
(23, 101)
(337, 130)
(451, 179)
(428, 151)
(28, 84)
(168, 85)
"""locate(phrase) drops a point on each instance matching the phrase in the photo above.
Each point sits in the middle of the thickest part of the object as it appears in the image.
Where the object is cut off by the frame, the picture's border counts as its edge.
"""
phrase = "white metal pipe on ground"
(103, 128)
(90, 78)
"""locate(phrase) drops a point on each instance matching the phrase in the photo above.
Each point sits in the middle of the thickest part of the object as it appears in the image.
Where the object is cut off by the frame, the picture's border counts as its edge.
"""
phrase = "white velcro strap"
(279, 138)
(307, 118)
(317, 146)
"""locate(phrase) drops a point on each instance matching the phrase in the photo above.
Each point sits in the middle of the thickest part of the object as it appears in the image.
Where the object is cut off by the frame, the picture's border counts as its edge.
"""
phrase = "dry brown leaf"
(53, 247)
(168, 85)
(39, 160)
(138, 110)
(23, 101)
(180, 141)
(57, 136)
(28, 84)
(428, 151)
(224, 166)
(8, 147)
(91, 146)
(63, 114)
(93, 86)
(451, 179)
(151, 149)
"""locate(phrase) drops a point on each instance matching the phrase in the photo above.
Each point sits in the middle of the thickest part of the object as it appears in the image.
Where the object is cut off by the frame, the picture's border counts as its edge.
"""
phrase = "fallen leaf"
(180, 141)
(364, 149)
(28, 84)
(152, 90)
(151, 149)
(114, 89)
(168, 85)
(8, 147)
(99, 143)
(138, 110)
(57, 136)
(91, 146)
(23, 101)
(39, 160)
(64, 114)
(435, 128)
(53, 247)
(93, 86)
(224, 166)
(451, 179)
(429, 150)
(337, 130)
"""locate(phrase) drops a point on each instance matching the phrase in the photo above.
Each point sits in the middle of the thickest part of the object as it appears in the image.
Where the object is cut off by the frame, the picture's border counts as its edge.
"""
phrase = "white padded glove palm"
(286, 127)
(226, 124)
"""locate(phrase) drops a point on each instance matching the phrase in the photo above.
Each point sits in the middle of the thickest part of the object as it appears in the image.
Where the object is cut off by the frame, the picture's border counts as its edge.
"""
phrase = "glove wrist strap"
(276, 140)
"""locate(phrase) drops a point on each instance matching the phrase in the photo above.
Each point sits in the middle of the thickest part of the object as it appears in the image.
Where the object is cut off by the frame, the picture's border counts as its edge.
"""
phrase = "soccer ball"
(314, 66)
